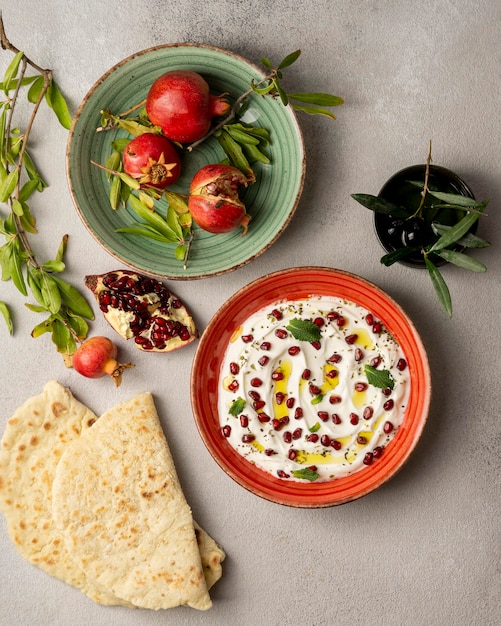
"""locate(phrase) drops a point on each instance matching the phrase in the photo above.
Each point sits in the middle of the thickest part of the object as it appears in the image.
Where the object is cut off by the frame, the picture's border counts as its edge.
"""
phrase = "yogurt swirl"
(312, 407)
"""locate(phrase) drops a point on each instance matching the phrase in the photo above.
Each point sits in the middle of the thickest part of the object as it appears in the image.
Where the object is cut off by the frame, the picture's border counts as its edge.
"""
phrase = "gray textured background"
(424, 549)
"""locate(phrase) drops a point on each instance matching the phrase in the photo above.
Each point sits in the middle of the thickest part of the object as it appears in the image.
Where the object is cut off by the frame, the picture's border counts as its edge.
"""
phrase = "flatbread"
(32, 445)
(33, 442)
(118, 502)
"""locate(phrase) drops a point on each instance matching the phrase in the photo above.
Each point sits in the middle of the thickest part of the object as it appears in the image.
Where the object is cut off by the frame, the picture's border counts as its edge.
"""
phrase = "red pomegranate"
(180, 103)
(153, 160)
(214, 201)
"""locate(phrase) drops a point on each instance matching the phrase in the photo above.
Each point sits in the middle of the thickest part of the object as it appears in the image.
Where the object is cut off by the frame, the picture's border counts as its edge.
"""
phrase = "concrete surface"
(424, 549)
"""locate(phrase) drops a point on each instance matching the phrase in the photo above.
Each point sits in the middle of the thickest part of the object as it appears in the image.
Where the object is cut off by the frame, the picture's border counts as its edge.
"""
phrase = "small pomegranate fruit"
(153, 160)
(96, 358)
(214, 201)
(180, 103)
(142, 308)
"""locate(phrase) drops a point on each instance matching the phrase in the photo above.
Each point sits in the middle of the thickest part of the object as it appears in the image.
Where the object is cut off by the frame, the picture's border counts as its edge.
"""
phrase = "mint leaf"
(237, 406)
(379, 378)
(303, 330)
(306, 473)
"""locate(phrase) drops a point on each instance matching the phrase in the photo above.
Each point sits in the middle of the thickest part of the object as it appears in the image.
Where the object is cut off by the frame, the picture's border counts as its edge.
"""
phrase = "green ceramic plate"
(271, 201)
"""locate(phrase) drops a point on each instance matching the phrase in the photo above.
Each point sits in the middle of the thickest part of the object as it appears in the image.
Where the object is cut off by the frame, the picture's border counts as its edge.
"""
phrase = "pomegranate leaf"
(304, 330)
(379, 378)
(289, 59)
(4, 310)
(319, 99)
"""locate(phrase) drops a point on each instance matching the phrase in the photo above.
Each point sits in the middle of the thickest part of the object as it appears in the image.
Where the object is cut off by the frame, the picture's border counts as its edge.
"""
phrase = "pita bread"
(32, 445)
(118, 502)
(34, 440)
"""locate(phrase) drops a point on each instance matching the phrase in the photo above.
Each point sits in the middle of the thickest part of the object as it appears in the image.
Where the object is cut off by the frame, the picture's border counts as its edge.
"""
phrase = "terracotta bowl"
(298, 283)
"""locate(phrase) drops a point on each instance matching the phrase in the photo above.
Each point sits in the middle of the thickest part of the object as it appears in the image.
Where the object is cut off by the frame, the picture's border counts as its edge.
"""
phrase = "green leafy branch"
(450, 241)
(67, 310)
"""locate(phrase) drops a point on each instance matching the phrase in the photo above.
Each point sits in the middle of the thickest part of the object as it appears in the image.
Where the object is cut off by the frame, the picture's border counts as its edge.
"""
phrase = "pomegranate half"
(214, 200)
(142, 308)
(180, 103)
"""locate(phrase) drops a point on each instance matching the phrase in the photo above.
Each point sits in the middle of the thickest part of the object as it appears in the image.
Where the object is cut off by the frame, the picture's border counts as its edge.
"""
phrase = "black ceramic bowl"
(401, 190)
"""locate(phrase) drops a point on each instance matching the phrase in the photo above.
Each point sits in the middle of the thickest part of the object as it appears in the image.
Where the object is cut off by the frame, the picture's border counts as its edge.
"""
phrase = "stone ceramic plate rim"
(299, 283)
(271, 201)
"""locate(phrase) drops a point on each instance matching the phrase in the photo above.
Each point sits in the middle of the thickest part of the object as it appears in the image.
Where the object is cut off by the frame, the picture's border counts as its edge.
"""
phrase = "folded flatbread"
(118, 502)
(34, 441)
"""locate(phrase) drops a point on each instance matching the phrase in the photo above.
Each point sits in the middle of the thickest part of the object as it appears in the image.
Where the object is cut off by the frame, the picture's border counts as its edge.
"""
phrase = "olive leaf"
(467, 241)
(440, 286)
(453, 234)
(462, 260)
(397, 255)
(380, 205)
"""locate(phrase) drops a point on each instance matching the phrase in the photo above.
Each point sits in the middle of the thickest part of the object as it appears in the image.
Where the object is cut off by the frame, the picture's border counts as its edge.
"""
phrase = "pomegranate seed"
(293, 350)
(277, 314)
(281, 333)
(323, 415)
(306, 374)
(297, 433)
(336, 419)
(298, 413)
(263, 360)
(284, 420)
(256, 382)
(377, 328)
(254, 395)
(332, 315)
(359, 355)
(325, 440)
(266, 345)
(287, 436)
(351, 338)
(258, 404)
(263, 417)
(269, 452)
(316, 344)
(368, 412)
(388, 427)
(377, 452)
(279, 397)
(313, 468)
(276, 424)
(340, 321)
(388, 405)
(368, 458)
(289, 403)
(233, 386)
(335, 358)
(277, 375)
(369, 318)
(361, 440)
(247, 338)
(282, 474)
(292, 454)
(332, 373)
(376, 361)
(227, 430)
(319, 321)
(335, 399)
(354, 419)
(401, 364)
(337, 445)
(244, 421)
(313, 437)
(248, 438)
(314, 390)
(361, 386)
(387, 392)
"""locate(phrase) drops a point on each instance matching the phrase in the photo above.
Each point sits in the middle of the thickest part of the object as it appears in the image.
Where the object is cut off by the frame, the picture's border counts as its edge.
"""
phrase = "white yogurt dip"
(315, 406)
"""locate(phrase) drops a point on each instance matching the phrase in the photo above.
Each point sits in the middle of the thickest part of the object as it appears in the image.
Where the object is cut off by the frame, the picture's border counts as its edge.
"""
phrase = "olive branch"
(447, 238)
(67, 310)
